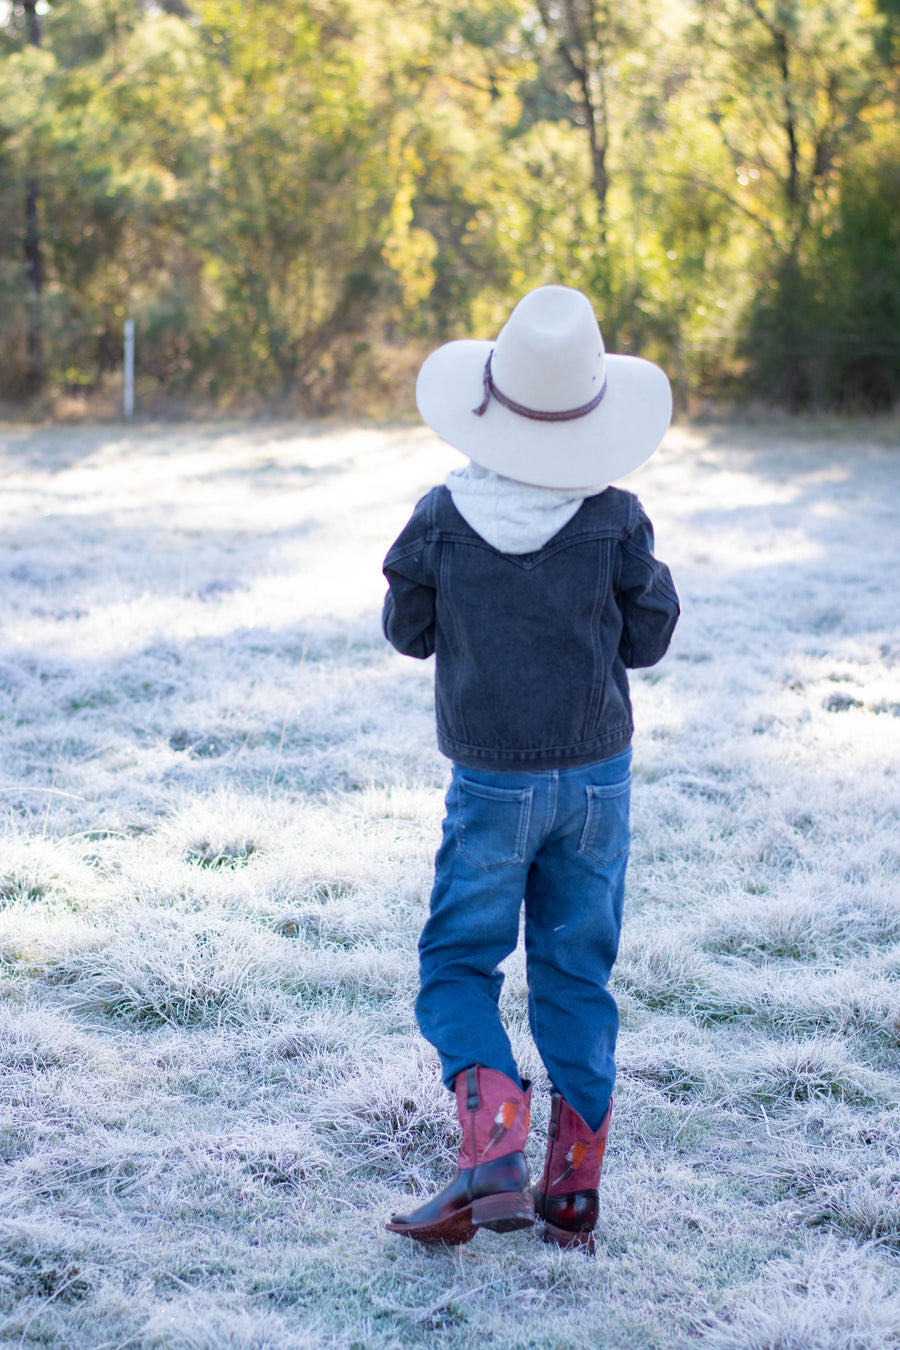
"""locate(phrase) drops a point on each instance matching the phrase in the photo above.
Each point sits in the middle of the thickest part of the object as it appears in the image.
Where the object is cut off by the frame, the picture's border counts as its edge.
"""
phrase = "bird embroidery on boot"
(502, 1121)
(574, 1159)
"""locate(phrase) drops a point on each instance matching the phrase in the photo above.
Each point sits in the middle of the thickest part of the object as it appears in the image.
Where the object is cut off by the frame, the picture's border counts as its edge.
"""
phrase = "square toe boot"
(567, 1198)
(491, 1188)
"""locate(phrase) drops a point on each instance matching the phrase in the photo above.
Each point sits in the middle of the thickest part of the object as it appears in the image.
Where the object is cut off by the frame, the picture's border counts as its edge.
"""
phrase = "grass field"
(219, 803)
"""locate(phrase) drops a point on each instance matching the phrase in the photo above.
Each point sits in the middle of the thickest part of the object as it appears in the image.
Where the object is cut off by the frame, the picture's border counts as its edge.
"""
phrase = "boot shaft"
(494, 1115)
(574, 1151)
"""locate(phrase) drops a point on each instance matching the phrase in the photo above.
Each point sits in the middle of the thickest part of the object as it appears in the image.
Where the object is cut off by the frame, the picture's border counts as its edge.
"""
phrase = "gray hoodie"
(513, 517)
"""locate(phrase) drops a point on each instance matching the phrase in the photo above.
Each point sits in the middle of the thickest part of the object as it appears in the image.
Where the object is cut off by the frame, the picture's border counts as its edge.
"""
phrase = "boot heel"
(564, 1237)
(504, 1212)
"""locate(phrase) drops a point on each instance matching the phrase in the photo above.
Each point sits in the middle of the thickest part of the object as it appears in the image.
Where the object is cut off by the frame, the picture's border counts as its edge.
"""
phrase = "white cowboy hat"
(545, 404)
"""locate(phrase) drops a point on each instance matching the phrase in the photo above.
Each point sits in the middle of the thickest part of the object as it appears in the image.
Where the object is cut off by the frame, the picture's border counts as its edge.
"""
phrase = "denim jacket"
(531, 649)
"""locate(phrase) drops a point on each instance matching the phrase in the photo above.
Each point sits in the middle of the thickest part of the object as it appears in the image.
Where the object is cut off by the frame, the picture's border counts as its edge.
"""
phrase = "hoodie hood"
(513, 517)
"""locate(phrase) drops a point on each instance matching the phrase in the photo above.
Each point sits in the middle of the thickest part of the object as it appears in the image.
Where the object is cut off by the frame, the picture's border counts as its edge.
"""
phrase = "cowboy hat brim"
(617, 437)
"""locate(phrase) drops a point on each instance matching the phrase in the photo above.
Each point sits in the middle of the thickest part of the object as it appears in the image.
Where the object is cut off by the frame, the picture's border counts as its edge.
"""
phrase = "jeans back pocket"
(606, 834)
(492, 823)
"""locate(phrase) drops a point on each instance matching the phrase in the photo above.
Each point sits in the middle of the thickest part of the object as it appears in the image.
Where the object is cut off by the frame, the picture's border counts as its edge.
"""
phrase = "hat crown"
(550, 355)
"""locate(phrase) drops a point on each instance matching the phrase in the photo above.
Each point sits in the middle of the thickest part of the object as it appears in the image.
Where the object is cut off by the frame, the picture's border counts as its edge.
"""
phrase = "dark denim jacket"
(531, 648)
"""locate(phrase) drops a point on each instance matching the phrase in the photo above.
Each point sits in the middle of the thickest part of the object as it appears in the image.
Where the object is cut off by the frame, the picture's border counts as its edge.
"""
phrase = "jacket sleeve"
(408, 617)
(647, 598)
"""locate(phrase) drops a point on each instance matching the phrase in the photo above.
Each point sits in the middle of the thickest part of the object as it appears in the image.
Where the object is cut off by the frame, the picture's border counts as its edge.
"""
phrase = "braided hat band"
(535, 414)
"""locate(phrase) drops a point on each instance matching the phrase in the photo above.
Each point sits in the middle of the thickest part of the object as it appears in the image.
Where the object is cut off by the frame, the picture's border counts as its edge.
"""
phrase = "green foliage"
(293, 198)
(861, 280)
(828, 334)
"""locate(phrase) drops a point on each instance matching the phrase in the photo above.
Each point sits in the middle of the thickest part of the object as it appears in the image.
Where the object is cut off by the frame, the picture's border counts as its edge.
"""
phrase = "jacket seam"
(658, 576)
(520, 752)
(595, 702)
(528, 561)
(393, 558)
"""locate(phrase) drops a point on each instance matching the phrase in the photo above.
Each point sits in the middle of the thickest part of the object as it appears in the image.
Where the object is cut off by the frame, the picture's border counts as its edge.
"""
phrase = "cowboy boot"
(490, 1189)
(566, 1198)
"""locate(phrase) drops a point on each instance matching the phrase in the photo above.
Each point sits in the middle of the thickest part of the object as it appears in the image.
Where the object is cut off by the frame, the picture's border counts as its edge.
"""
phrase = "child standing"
(534, 584)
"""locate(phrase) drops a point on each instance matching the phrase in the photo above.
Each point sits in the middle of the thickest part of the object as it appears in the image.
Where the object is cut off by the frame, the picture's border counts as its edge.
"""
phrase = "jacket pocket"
(606, 834)
(493, 822)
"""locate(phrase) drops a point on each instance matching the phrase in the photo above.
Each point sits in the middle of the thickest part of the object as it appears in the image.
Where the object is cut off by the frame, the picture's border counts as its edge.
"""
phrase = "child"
(534, 584)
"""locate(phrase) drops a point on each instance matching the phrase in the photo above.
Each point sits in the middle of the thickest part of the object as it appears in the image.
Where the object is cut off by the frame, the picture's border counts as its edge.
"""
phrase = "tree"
(787, 85)
(613, 67)
(297, 197)
(34, 262)
(585, 40)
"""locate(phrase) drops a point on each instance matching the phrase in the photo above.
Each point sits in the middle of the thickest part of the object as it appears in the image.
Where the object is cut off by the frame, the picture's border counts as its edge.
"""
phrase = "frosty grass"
(220, 802)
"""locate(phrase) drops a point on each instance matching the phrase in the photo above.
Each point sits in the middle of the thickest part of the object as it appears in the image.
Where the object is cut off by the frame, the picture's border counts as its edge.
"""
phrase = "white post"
(128, 398)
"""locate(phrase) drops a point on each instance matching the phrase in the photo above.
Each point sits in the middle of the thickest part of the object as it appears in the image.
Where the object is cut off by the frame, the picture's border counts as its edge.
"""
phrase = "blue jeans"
(557, 840)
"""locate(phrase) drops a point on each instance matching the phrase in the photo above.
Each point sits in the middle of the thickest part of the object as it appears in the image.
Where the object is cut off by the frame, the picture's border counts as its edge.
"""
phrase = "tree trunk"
(34, 264)
(577, 34)
(790, 121)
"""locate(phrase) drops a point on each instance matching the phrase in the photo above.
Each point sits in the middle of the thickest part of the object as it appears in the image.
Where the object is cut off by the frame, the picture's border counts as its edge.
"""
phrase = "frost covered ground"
(219, 801)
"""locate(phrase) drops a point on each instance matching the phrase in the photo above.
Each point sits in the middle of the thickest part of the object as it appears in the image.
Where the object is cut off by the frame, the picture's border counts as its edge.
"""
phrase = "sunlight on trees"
(295, 199)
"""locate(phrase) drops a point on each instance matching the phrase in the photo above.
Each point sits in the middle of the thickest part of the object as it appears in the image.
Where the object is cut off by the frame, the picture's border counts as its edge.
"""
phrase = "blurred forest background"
(296, 199)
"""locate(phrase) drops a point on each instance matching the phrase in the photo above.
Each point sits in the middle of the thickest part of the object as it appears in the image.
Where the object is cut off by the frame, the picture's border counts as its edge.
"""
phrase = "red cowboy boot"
(490, 1189)
(567, 1198)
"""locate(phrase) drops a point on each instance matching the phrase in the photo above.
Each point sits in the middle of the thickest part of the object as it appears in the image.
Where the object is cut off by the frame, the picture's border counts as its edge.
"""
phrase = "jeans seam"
(552, 804)
(524, 825)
